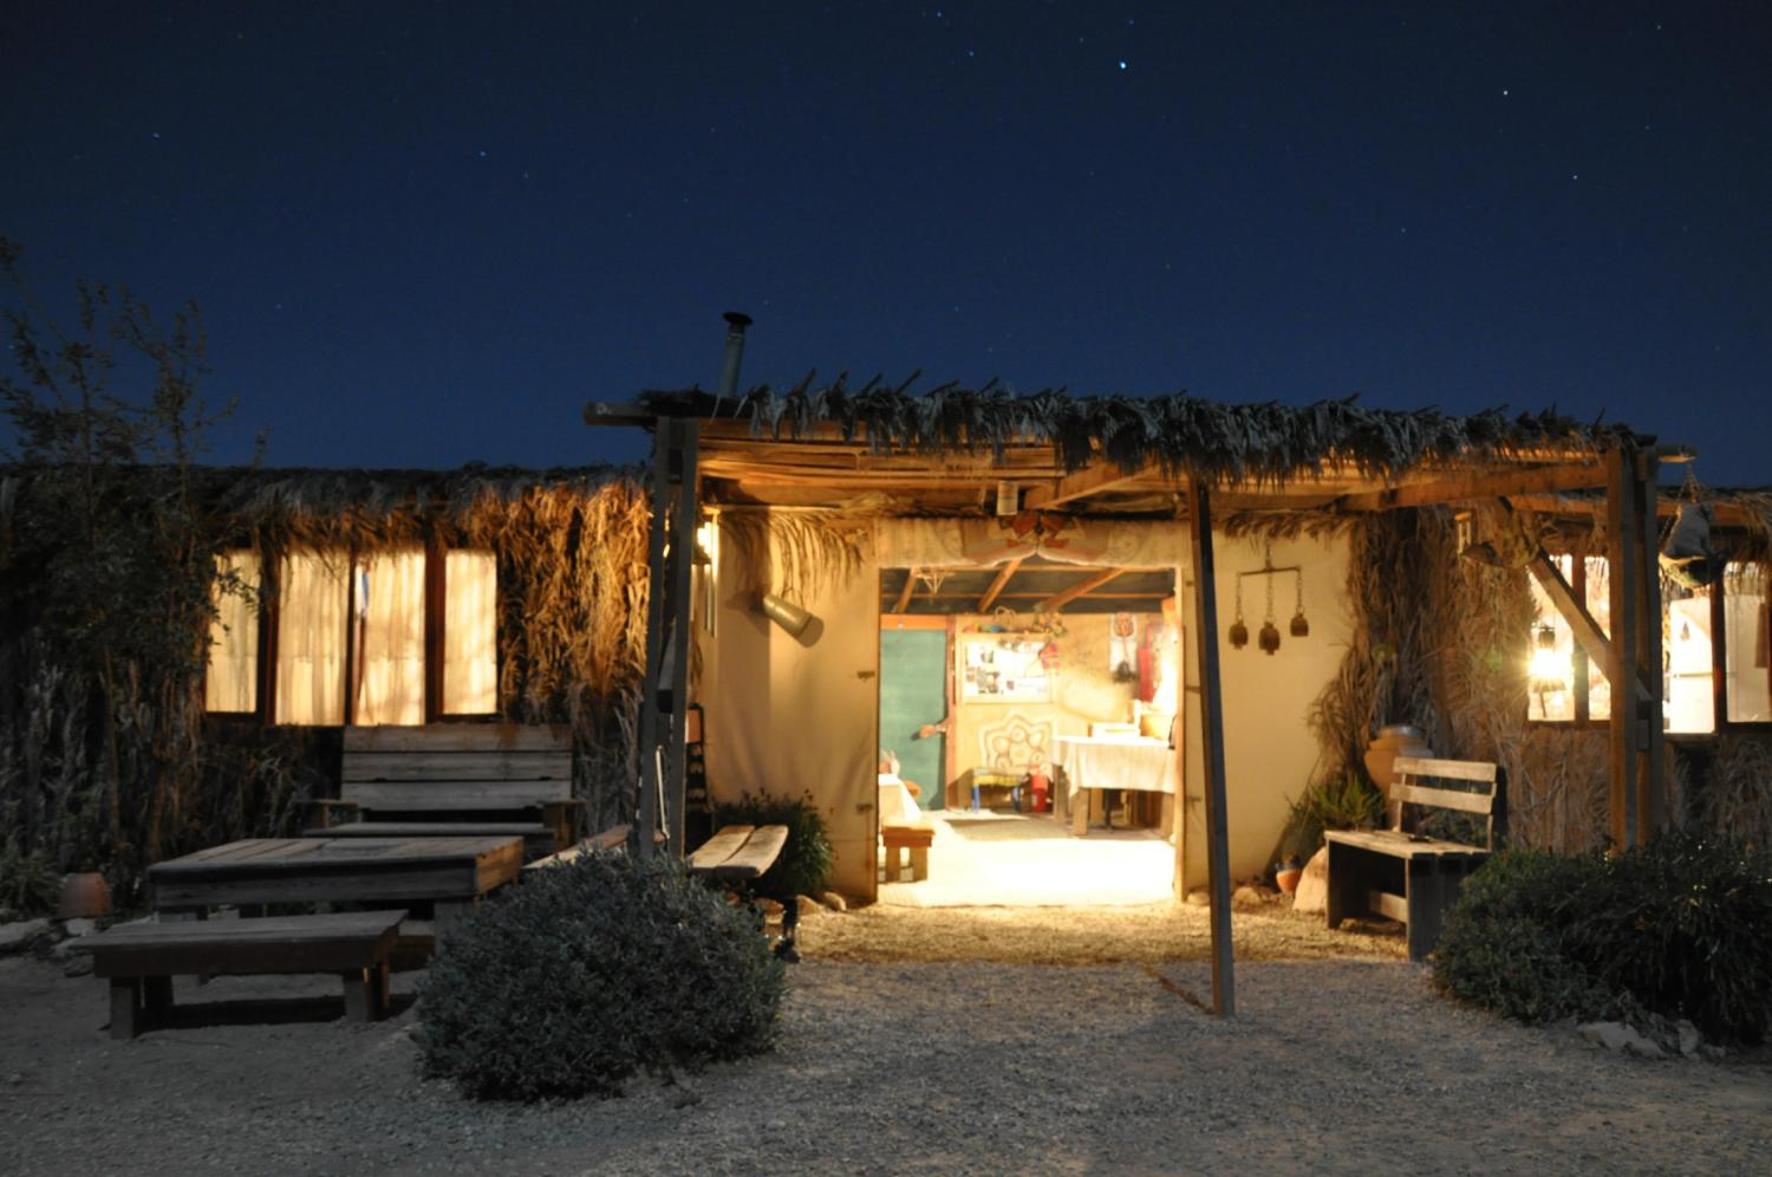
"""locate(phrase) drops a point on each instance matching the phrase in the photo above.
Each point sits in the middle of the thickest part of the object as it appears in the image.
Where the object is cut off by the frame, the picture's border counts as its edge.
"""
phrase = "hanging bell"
(1270, 637)
(1300, 627)
(1239, 634)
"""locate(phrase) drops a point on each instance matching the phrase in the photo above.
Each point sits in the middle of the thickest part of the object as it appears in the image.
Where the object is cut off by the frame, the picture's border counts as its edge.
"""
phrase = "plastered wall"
(793, 716)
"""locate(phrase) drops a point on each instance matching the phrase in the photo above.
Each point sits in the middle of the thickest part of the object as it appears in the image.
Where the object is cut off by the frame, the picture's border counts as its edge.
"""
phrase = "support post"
(1637, 777)
(1651, 755)
(663, 747)
(1218, 869)
(675, 731)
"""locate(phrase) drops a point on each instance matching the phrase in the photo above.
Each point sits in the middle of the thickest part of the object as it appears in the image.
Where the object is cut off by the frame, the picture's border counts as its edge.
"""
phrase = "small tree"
(107, 557)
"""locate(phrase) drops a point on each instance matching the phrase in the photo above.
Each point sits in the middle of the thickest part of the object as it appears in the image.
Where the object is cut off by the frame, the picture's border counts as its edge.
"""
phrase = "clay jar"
(84, 896)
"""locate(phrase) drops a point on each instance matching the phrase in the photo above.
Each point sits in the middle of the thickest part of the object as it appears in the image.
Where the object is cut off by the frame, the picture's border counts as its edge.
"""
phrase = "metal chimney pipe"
(736, 322)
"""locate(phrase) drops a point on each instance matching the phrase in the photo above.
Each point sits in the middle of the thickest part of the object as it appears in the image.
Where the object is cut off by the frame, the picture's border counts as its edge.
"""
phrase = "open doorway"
(1029, 753)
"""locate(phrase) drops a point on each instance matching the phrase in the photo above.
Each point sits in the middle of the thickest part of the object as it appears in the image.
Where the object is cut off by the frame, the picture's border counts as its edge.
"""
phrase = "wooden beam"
(1588, 633)
(1533, 480)
(1637, 774)
(675, 733)
(1080, 484)
(1081, 588)
(904, 594)
(1651, 760)
(990, 595)
(1218, 854)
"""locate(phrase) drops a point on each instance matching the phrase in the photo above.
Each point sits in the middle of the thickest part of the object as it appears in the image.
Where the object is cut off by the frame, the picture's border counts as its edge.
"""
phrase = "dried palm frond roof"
(262, 493)
(1265, 443)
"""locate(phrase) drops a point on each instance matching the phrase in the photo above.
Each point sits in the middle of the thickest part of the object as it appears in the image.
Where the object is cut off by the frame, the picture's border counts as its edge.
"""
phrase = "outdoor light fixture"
(785, 613)
(1008, 498)
(1547, 668)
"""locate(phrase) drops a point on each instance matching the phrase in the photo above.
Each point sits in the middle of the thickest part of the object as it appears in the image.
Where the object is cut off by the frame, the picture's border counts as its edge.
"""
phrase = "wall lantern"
(785, 613)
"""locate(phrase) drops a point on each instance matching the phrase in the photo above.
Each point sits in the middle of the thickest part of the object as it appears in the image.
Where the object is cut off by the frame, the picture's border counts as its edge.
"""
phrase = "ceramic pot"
(84, 896)
(1398, 739)
(1286, 877)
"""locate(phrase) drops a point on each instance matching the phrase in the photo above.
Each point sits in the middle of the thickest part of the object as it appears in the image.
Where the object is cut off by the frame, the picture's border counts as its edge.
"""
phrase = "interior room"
(1027, 721)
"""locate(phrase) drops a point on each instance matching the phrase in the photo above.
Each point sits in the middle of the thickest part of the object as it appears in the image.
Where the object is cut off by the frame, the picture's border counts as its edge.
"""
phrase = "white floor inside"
(991, 859)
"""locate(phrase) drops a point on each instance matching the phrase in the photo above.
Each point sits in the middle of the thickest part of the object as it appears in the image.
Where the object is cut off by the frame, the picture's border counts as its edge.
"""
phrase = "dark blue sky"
(425, 234)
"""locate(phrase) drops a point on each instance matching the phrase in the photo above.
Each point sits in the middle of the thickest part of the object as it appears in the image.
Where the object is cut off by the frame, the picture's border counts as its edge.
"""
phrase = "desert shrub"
(1681, 928)
(1508, 942)
(805, 862)
(589, 973)
(1686, 929)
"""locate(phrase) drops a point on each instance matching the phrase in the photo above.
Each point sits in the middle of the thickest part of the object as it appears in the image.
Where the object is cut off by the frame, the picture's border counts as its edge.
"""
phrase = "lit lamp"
(1548, 669)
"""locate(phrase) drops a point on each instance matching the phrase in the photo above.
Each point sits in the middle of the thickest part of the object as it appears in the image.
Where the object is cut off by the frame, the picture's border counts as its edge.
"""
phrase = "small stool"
(916, 839)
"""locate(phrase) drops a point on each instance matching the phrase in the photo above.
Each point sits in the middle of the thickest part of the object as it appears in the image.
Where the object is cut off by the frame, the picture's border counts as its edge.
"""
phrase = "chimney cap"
(738, 319)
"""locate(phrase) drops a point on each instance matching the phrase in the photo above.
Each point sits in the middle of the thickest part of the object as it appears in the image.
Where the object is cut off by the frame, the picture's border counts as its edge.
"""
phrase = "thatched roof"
(1267, 443)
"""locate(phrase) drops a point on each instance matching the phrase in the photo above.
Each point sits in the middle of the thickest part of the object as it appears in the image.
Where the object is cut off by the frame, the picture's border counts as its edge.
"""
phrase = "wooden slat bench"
(736, 857)
(140, 960)
(1409, 876)
(459, 778)
(916, 839)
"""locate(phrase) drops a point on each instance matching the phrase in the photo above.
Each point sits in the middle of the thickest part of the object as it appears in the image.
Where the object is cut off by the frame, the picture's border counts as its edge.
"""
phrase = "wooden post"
(646, 815)
(674, 732)
(1218, 868)
(1651, 753)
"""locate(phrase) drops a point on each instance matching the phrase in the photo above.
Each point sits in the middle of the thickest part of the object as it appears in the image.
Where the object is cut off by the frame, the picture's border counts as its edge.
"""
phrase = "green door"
(913, 692)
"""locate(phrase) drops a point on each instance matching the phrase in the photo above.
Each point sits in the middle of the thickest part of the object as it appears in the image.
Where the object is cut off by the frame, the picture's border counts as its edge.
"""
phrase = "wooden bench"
(447, 780)
(913, 838)
(613, 838)
(1406, 875)
(736, 858)
(140, 960)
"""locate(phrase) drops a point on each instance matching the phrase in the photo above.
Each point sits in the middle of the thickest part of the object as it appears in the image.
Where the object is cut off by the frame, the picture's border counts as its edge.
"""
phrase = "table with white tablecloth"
(1112, 762)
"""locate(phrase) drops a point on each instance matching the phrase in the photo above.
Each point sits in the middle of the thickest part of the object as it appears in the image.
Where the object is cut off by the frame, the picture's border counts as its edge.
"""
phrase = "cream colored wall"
(793, 716)
(1270, 753)
(1083, 690)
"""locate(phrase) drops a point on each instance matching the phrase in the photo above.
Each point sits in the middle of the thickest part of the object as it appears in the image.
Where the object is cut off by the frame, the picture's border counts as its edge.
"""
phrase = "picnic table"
(449, 873)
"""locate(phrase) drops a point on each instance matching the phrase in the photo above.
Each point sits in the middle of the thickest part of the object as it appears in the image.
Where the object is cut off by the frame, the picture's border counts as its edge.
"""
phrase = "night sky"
(427, 234)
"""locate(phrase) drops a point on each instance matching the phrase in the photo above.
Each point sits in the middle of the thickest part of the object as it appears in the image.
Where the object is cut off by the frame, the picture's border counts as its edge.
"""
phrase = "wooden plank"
(311, 854)
(1218, 867)
(904, 592)
(750, 860)
(723, 845)
(1443, 798)
(1592, 639)
(1452, 770)
(1082, 588)
(672, 730)
(1623, 550)
(457, 766)
(998, 584)
(418, 796)
(1386, 904)
(1396, 844)
(1081, 484)
(1453, 488)
(460, 737)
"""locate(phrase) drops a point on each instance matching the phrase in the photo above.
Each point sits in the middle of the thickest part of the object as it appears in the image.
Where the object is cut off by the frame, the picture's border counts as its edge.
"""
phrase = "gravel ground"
(887, 1066)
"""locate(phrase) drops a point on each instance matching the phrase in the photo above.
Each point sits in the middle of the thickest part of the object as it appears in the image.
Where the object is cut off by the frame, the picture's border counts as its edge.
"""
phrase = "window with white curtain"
(311, 616)
(470, 633)
(388, 609)
(231, 683)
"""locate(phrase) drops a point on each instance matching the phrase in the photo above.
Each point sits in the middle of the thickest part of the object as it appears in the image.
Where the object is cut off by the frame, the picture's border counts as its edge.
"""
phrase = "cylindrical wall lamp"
(786, 614)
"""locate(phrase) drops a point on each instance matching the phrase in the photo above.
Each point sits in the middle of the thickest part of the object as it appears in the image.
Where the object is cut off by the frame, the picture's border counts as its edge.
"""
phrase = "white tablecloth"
(1116, 762)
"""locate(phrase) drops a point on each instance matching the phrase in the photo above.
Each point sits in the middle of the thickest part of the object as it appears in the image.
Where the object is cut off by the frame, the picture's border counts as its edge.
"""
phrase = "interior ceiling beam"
(1002, 579)
(1081, 484)
(1081, 588)
(904, 594)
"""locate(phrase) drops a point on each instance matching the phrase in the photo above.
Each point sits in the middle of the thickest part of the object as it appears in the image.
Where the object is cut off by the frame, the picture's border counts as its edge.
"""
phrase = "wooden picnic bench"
(140, 960)
(449, 779)
(736, 858)
(1407, 875)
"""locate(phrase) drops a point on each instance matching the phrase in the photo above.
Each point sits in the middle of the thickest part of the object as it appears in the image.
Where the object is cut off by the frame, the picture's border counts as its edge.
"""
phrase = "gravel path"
(1333, 1065)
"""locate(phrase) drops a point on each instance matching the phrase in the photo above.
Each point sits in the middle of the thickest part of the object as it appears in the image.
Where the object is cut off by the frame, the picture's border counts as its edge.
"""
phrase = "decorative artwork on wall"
(1015, 745)
(1003, 669)
(1123, 647)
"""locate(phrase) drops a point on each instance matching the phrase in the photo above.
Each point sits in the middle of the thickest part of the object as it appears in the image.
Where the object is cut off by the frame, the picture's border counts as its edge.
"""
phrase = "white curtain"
(388, 608)
(311, 637)
(470, 634)
(231, 683)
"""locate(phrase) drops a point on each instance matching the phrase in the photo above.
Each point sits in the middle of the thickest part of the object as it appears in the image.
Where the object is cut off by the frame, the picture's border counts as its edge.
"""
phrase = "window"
(1747, 644)
(470, 634)
(353, 637)
(311, 622)
(1707, 636)
(232, 682)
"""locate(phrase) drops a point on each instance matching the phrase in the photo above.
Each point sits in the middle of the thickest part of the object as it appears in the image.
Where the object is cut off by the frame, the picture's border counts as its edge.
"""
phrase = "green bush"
(805, 862)
(1681, 928)
(1509, 941)
(587, 974)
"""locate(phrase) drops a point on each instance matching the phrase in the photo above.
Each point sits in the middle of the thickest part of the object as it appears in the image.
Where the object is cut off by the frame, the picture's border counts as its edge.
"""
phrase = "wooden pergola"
(702, 457)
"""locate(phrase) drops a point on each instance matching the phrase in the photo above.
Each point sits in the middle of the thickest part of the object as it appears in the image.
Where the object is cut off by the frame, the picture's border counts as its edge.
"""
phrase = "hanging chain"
(1239, 598)
(1270, 594)
(1298, 589)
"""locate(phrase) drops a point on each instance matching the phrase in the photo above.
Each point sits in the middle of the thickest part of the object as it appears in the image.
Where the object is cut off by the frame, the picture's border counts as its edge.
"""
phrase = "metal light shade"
(785, 614)
(1300, 627)
(1239, 635)
(1270, 637)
